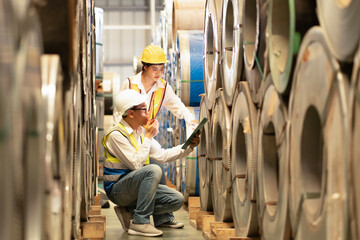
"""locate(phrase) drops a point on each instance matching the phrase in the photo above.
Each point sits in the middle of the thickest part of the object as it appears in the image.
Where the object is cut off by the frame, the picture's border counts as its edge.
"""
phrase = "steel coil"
(99, 24)
(67, 176)
(20, 9)
(318, 200)
(205, 166)
(212, 49)
(191, 76)
(288, 22)
(187, 15)
(31, 124)
(232, 47)
(255, 46)
(9, 222)
(137, 65)
(168, 8)
(84, 175)
(77, 158)
(163, 31)
(243, 162)
(273, 167)
(354, 130)
(340, 20)
(52, 92)
(190, 172)
(221, 157)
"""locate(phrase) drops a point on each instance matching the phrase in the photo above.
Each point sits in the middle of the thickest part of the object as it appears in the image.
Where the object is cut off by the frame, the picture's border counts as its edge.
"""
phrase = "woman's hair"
(148, 65)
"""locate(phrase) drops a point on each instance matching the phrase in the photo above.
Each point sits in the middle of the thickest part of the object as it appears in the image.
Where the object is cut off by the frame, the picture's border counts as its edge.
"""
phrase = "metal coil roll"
(190, 172)
(32, 128)
(67, 181)
(137, 65)
(20, 9)
(354, 130)
(168, 8)
(84, 175)
(232, 47)
(52, 81)
(272, 168)
(187, 15)
(205, 166)
(99, 24)
(163, 31)
(191, 76)
(9, 222)
(221, 157)
(318, 200)
(255, 20)
(288, 23)
(212, 50)
(243, 162)
(340, 19)
(77, 157)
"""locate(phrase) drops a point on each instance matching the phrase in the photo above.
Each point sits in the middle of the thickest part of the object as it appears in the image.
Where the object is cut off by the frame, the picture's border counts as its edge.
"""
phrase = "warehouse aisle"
(114, 230)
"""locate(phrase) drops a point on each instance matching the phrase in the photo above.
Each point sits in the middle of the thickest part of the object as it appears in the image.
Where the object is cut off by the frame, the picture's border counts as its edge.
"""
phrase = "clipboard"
(199, 127)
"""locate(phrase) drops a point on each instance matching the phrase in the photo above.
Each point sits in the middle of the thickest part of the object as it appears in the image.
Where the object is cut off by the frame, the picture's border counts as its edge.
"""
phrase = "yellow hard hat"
(153, 54)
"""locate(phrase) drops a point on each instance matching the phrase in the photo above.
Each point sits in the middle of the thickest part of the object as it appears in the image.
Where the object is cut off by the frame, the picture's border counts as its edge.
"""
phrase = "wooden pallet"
(95, 227)
(205, 221)
(211, 229)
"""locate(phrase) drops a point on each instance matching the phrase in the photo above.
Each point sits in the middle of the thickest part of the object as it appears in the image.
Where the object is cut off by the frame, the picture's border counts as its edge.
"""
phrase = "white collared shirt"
(120, 147)
(171, 102)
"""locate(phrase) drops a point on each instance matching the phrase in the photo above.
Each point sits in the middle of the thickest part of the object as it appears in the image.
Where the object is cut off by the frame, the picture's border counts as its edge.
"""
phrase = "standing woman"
(149, 82)
(158, 93)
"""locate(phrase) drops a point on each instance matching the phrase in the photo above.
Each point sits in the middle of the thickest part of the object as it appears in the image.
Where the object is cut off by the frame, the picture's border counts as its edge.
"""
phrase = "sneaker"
(123, 216)
(144, 230)
(171, 224)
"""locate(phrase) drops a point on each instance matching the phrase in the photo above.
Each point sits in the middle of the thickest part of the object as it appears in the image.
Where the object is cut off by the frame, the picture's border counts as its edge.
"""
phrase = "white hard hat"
(125, 100)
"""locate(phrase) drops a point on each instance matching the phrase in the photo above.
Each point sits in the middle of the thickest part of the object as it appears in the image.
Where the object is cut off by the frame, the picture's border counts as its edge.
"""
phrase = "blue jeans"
(140, 191)
(163, 179)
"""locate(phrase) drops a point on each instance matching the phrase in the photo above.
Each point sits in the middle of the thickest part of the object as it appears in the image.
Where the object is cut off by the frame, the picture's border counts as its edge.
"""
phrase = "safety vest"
(157, 97)
(112, 165)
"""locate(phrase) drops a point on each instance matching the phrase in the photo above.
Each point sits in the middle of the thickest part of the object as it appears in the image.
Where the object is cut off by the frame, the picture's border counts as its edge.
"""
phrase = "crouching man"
(129, 180)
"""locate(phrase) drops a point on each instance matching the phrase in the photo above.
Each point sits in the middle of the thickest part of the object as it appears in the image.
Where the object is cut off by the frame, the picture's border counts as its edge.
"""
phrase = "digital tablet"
(199, 127)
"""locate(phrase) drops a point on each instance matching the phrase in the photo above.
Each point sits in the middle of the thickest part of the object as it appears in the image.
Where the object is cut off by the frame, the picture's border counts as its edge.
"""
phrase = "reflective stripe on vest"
(111, 161)
(157, 97)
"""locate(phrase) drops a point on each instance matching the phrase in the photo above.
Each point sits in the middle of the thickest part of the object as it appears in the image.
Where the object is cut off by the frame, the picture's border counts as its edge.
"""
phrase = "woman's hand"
(152, 130)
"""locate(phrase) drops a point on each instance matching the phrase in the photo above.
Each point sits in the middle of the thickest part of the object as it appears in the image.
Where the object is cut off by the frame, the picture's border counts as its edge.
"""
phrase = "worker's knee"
(154, 171)
(179, 200)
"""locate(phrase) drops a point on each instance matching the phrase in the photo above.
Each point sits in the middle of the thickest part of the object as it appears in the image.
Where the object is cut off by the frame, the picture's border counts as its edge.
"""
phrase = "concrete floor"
(114, 230)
